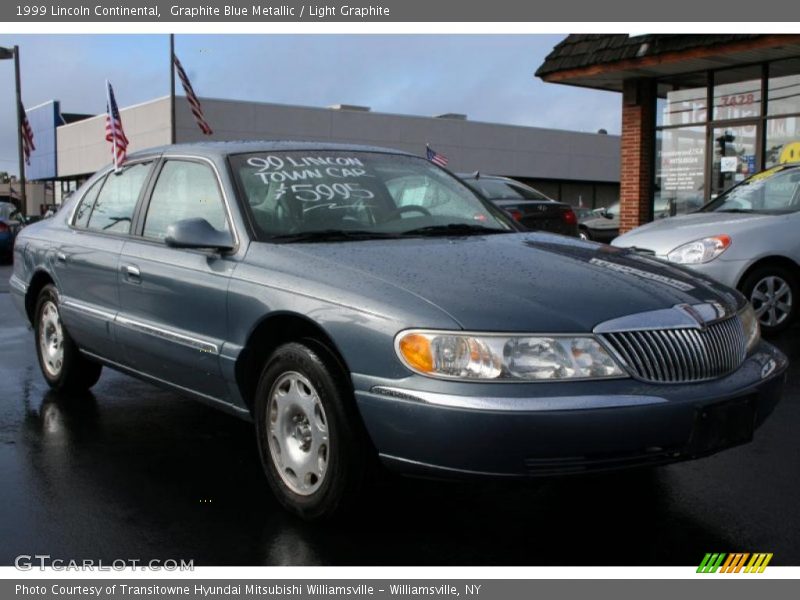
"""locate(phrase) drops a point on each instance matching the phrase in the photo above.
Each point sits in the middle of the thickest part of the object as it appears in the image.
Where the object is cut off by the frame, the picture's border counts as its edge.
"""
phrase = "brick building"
(699, 112)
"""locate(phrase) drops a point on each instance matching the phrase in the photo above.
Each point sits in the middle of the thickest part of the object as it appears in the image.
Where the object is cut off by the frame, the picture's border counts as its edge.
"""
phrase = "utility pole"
(172, 139)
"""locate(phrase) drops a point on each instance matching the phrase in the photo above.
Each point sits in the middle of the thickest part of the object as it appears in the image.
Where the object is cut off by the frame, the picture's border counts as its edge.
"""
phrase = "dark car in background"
(528, 206)
(11, 221)
(362, 304)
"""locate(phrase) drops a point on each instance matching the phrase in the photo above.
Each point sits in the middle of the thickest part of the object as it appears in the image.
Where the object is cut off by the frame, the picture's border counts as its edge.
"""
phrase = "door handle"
(132, 273)
(61, 257)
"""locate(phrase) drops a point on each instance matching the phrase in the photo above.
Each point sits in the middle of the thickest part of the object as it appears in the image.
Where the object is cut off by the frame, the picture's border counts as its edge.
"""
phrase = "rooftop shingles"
(585, 50)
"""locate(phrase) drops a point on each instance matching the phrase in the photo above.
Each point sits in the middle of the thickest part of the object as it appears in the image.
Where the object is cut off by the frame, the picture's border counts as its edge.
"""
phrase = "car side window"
(113, 209)
(87, 202)
(184, 190)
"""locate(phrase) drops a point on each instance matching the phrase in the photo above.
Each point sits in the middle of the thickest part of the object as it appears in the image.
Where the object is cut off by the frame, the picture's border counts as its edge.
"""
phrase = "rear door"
(86, 257)
(173, 317)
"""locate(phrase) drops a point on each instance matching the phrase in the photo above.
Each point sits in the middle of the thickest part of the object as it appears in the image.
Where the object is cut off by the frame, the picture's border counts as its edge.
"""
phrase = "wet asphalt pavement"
(135, 472)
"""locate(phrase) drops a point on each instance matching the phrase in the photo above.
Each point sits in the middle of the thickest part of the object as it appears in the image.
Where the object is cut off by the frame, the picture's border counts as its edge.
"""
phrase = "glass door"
(735, 155)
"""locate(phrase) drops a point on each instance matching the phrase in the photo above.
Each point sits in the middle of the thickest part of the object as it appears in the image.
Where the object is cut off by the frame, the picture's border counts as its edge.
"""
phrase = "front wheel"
(62, 364)
(773, 292)
(308, 433)
(583, 234)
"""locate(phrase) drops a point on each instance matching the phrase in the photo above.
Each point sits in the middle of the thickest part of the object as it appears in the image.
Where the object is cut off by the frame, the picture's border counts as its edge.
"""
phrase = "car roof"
(222, 149)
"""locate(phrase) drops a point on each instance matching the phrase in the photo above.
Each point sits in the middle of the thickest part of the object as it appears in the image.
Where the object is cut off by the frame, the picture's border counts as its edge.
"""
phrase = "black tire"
(325, 491)
(583, 233)
(74, 372)
(755, 287)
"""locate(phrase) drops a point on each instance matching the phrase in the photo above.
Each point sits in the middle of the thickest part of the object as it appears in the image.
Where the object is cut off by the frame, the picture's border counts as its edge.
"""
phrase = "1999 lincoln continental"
(358, 302)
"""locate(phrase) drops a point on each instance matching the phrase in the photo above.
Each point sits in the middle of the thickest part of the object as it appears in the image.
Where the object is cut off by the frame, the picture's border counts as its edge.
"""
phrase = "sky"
(488, 77)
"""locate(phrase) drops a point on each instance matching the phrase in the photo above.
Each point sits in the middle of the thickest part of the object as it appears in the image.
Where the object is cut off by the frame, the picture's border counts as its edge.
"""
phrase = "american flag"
(435, 157)
(197, 110)
(114, 131)
(27, 135)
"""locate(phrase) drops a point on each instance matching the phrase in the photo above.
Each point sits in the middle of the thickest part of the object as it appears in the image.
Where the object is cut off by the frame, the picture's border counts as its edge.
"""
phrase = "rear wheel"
(308, 434)
(583, 233)
(773, 292)
(62, 364)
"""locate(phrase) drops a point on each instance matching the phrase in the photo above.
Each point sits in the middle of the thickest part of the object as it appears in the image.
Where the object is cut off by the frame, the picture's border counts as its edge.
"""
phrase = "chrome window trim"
(100, 175)
(522, 404)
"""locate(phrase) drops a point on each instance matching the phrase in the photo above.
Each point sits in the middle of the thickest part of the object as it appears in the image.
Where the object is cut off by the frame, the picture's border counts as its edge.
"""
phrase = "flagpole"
(172, 88)
(110, 119)
(22, 193)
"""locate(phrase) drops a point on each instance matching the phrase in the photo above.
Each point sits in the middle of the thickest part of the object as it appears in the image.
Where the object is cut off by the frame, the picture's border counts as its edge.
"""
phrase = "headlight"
(752, 330)
(700, 251)
(447, 355)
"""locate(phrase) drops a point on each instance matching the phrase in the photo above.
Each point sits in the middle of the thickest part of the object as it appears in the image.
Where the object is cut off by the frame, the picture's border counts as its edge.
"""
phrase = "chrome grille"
(681, 355)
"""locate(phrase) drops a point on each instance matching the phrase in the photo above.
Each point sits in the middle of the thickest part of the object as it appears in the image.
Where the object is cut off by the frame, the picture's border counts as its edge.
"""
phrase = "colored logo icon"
(736, 562)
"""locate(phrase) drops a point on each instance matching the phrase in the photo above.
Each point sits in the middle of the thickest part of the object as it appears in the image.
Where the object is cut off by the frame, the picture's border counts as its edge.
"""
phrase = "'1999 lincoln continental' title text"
(190, 12)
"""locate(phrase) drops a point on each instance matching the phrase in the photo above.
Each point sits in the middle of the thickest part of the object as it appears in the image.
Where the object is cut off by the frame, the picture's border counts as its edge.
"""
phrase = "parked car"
(295, 284)
(526, 205)
(746, 238)
(11, 221)
(602, 225)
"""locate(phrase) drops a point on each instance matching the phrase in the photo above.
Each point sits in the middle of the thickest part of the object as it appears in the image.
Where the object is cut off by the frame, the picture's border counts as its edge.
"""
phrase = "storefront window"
(783, 95)
(737, 93)
(783, 141)
(735, 156)
(682, 103)
(680, 171)
(702, 152)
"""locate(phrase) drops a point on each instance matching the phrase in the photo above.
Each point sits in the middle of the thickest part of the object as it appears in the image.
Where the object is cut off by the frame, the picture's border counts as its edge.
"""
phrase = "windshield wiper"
(735, 210)
(455, 229)
(332, 235)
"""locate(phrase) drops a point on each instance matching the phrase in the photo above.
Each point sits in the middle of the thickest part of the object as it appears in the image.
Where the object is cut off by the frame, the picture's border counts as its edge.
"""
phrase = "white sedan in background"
(747, 238)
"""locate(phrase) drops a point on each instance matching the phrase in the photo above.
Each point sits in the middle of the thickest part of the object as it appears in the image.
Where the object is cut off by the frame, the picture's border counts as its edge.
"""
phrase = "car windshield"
(341, 195)
(775, 190)
(498, 189)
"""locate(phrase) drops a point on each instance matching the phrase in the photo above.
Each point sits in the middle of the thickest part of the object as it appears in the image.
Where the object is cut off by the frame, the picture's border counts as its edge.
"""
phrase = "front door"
(173, 302)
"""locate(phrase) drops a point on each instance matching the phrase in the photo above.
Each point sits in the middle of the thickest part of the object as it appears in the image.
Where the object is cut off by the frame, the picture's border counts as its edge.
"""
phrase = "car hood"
(504, 282)
(664, 235)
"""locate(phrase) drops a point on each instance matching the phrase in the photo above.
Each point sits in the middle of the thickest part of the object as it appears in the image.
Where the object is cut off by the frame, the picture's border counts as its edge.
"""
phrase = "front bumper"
(558, 428)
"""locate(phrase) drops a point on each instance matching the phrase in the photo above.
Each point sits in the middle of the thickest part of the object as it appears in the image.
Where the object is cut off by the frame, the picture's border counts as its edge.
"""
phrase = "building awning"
(604, 62)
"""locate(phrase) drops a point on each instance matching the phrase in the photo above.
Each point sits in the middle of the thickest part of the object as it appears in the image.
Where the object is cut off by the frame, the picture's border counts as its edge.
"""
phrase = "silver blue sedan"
(364, 306)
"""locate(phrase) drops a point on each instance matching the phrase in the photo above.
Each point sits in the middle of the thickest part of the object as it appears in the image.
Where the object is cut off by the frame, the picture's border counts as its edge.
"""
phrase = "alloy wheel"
(772, 300)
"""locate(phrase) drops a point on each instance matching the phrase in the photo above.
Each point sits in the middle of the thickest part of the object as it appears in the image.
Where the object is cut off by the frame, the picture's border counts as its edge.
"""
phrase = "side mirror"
(197, 233)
